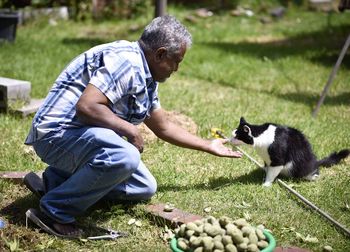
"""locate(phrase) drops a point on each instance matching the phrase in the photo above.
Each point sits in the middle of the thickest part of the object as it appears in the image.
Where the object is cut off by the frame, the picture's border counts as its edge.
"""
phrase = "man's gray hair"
(166, 31)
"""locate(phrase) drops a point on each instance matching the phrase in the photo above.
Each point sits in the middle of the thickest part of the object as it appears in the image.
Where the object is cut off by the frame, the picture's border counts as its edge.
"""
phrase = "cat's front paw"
(267, 184)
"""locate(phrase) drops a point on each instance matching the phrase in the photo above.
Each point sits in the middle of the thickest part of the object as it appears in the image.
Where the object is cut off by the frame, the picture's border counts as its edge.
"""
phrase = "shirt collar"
(145, 64)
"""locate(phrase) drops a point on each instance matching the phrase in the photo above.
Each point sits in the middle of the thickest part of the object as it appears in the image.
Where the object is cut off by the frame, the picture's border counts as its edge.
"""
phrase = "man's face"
(162, 65)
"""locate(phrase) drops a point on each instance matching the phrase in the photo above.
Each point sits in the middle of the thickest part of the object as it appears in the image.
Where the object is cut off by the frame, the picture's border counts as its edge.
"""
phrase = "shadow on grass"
(311, 99)
(327, 43)
(308, 98)
(321, 47)
(84, 42)
(102, 211)
(254, 177)
(15, 211)
(92, 38)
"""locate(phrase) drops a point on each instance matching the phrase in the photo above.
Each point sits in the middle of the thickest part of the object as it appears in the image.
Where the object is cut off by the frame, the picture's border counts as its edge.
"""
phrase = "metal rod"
(160, 8)
(320, 211)
(331, 77)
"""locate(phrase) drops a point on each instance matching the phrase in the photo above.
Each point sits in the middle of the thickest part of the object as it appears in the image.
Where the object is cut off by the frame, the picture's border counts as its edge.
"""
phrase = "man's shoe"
(47, 224)
(35, 184)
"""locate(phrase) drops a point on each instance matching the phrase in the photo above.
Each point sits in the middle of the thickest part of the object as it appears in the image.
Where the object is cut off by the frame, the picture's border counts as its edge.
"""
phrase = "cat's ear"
(242, 120)
(246, 129)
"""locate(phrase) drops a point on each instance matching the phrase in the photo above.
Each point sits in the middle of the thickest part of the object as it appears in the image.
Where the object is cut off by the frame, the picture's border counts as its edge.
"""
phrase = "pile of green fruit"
(223, 234)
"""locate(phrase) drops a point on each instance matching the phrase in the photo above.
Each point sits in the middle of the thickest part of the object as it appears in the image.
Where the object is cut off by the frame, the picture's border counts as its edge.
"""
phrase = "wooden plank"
(15, 176)
(174, 218)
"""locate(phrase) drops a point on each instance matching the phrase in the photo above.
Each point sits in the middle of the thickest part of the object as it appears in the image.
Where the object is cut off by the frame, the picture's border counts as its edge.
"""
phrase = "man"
(86, 129)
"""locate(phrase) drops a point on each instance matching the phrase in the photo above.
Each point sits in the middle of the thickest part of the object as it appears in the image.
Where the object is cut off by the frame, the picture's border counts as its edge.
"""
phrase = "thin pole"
(320, 211)
(331, 77)
(160, 9)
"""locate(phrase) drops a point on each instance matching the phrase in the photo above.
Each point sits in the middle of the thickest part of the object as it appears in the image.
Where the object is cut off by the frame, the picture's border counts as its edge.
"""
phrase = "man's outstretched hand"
(218, 148)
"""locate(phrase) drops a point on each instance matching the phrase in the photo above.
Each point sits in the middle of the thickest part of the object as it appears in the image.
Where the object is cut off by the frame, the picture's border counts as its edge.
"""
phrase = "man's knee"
(131, 157)
(151, 189)
(127, 159)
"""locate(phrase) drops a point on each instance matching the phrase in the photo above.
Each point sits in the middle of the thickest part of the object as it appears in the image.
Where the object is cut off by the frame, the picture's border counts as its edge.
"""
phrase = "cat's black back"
(291, 146)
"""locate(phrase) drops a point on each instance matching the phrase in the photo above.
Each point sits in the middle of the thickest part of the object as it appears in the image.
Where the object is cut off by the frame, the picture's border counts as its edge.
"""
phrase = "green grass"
(236, 67)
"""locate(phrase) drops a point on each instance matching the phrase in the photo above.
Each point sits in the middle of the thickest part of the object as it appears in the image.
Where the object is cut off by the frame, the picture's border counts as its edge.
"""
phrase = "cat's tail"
(334, 158)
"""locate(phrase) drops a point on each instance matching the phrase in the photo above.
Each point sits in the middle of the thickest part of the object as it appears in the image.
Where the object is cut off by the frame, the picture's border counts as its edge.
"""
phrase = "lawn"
(236, 67)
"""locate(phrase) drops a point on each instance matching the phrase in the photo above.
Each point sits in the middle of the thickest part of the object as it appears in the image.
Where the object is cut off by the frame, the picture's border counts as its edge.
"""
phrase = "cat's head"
(242, 133)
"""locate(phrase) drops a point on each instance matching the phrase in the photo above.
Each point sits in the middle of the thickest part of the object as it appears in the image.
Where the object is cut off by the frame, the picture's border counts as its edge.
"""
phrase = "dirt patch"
(175, 117)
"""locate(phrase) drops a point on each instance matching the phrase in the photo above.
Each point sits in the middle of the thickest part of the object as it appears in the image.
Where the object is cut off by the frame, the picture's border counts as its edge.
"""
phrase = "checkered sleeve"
(114, 76)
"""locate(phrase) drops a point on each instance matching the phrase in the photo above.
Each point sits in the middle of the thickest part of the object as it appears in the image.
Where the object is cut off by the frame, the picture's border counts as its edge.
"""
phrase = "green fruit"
(246, 230)
(231, 226)
(241, 222)
(246, 240)
(182, 244)
(195, 241)
(260, 234)
(252, 248)
(208, 243)
(232, 229)
(218, 238)
(253, 238)
(224, 220)
(189, 233)
(181, 232)
(207, 227)
(262, 244)
(226, 239)
(218, 245)
(192, 238)
(191, 226)
(199, 230)
(211, 219)
(261, 227)
(212, 230)
(199, 249)
(242, 247)
(230, 248)
(237, 237)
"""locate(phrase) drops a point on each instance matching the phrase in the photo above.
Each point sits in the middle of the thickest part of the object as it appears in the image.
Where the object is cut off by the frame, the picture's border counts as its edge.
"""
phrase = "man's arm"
(93, 109)
(174, 134)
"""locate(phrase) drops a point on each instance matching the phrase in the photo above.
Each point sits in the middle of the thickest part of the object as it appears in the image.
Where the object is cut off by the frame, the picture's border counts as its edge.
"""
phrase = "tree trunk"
(160, 9)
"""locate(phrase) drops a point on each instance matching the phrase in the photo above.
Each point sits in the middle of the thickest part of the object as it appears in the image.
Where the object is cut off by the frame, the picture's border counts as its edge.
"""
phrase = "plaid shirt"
(118, 69)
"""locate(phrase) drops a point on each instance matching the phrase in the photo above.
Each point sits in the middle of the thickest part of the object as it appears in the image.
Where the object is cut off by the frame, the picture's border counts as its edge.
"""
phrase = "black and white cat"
(285, 150)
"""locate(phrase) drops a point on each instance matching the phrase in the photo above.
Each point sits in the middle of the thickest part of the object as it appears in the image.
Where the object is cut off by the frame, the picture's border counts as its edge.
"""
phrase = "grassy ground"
(237, 67)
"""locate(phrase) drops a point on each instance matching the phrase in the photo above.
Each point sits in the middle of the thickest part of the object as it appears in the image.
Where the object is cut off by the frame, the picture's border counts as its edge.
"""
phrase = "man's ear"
(160, 54)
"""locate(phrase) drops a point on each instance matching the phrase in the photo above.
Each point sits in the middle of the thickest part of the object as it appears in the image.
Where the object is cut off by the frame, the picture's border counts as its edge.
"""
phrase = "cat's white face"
(242, 134)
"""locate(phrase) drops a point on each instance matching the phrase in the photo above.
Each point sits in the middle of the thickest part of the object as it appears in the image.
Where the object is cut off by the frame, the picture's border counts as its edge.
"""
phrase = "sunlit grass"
(236, 67)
